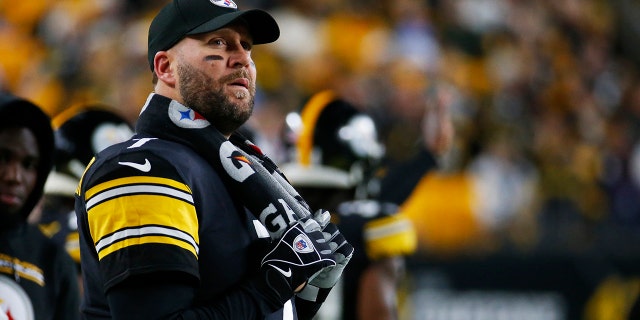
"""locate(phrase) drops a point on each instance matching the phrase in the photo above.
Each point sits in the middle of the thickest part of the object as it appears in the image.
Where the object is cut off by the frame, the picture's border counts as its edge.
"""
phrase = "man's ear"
(163, 68)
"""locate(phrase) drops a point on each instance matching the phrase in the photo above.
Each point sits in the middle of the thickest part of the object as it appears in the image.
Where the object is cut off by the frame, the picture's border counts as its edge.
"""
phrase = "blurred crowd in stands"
(546, 101)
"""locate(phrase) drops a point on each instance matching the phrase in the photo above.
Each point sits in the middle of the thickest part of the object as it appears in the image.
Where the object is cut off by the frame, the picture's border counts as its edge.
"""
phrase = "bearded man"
(186, 220)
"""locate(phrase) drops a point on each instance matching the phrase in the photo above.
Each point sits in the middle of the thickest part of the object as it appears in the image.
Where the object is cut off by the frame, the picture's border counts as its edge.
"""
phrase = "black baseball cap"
(180, 18)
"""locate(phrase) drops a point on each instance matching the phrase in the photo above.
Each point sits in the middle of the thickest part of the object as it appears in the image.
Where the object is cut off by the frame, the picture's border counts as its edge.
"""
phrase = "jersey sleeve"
(141, 217)
(377, 228)
(392, 233)
(389, 236)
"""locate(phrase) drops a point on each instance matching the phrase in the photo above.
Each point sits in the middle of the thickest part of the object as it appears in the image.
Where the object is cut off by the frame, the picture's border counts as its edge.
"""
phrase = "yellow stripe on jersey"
(113, 221)
(23, 269)
(85, 171)
(137, 180)
(137, 189)
(390, 236)
(122, 215)
(72, 244)
(136, 239)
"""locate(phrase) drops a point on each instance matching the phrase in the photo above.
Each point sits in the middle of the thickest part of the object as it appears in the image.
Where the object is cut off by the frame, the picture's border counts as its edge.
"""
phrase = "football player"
(337, 163)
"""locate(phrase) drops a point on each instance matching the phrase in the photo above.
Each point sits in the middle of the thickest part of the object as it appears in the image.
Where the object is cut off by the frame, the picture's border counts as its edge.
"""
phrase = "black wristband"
(305, 309)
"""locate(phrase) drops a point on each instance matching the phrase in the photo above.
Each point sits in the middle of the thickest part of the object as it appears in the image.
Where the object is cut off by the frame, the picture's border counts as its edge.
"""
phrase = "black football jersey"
(150, 205)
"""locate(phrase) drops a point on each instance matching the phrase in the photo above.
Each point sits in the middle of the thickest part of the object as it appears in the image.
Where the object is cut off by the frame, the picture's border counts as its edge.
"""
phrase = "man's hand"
(300, 254)
(342, 250)
(320, 284)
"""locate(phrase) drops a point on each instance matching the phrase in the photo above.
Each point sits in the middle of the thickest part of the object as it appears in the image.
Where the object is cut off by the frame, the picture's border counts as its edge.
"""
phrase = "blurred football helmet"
(332, 144)
(80, 133)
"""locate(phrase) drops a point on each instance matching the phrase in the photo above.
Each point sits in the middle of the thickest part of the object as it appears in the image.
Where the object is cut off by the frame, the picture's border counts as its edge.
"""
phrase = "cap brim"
(262, 26)
(60, 184)
(316, 176)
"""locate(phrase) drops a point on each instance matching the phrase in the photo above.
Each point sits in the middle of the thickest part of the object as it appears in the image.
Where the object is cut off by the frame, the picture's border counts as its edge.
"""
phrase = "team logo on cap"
(225, 3)
(185, 117)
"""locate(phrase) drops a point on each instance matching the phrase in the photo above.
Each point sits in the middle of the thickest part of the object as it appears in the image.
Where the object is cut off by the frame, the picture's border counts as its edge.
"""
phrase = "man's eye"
(30, 164)
(4, 157)
(218, 42)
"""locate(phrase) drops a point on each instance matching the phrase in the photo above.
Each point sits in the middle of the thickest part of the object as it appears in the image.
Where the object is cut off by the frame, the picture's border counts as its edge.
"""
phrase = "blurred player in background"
(338, 162)
(80, 132)
(37, 276)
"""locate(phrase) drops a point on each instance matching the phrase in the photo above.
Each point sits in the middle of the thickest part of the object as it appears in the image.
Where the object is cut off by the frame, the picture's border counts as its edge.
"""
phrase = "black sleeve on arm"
(402, 178)
(171, 296)
(306, 309)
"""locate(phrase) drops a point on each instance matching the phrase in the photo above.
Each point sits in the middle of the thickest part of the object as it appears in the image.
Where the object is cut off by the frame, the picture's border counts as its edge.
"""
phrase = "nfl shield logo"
(302, 244)
(224, 3)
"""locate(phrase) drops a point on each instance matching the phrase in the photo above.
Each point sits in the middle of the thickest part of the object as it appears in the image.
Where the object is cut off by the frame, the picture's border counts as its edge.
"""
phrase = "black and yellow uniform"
(338, 162)
(37, 276)
(378, 228)
(152, 208)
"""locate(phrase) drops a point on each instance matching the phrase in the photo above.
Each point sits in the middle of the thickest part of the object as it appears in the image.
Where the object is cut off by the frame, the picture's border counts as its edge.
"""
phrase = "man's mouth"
(242, 82)
(10, 199)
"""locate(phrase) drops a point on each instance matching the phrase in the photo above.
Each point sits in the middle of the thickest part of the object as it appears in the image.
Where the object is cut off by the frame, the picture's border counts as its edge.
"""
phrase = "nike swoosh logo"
(284, 273)
(144, 167)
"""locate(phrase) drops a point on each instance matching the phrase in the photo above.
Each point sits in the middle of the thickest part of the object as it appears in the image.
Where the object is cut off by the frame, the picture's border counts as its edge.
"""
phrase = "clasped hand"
(311, 249)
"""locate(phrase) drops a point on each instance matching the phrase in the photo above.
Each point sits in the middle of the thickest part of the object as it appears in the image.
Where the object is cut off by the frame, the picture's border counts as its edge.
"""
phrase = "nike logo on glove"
(284, 273)
(144, 167)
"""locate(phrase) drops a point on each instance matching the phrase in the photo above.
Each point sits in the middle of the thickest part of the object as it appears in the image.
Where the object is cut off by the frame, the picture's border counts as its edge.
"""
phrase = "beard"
(206, 96)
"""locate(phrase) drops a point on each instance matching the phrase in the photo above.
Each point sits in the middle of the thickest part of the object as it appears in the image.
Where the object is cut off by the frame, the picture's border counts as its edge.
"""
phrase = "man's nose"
(241, 58)
(12, 171)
